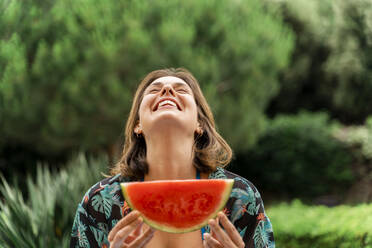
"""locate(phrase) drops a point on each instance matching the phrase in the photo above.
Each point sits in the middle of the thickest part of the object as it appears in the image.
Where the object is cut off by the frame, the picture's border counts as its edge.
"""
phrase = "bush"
(45, 218)
(298, 225)
(358, 139)
(298, 157)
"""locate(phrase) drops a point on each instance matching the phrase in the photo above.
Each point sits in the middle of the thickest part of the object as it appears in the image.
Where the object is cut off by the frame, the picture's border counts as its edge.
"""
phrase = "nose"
(167, 90)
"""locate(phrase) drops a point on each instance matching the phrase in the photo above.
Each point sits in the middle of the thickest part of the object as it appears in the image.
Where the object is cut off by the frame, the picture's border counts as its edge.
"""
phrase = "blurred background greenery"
(289, 82)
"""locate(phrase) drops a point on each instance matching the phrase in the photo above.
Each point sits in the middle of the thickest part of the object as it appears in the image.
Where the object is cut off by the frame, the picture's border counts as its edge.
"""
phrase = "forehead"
(169, 80)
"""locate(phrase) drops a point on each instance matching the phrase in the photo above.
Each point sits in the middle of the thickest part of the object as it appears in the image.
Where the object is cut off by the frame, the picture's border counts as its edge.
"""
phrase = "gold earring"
(138, 131)
(199, 131)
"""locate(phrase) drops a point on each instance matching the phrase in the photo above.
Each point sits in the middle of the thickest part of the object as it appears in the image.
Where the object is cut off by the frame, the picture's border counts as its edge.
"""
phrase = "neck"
(170, 157)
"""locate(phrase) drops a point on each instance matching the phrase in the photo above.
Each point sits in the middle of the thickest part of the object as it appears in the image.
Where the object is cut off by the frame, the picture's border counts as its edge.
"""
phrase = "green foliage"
(298, 157)
(331, 64)
(359, 138)
(299, 225)
(45, 218)
(68, 69)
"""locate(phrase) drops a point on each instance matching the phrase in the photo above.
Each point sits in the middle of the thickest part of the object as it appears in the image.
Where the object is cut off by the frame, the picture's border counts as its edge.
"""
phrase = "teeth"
(167, 102)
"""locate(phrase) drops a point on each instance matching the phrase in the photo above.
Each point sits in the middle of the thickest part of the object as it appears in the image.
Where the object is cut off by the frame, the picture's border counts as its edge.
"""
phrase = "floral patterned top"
(104, 205)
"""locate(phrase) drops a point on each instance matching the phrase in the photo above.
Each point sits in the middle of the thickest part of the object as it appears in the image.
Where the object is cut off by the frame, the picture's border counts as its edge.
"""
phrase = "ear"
(199, 129)
(138, 129)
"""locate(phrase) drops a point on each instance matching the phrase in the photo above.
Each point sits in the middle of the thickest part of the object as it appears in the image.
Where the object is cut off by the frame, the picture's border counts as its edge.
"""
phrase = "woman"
(170, 134)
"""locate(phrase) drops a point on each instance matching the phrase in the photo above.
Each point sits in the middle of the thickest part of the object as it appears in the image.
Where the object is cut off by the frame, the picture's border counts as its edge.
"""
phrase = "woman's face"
(168, 102)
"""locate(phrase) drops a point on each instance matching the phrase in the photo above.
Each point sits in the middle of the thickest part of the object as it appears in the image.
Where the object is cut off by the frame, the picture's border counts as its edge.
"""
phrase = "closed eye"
(154, 90)
(182, 91)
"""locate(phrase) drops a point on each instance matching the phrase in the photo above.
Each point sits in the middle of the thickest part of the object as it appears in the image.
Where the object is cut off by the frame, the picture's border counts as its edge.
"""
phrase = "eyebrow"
(176, 84)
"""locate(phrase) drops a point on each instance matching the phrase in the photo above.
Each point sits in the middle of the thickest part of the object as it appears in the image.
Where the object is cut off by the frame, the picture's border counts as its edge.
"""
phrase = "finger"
(231, 230)
(212, 242)
(212, 233)
(122, 223)
(205, 245)
(221, 235)
(143, 239)
(134, 234)
(125, 232)
(138, 230)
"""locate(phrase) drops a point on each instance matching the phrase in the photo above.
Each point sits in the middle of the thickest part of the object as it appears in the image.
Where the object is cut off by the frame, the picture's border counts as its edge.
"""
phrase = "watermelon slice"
(178, 206)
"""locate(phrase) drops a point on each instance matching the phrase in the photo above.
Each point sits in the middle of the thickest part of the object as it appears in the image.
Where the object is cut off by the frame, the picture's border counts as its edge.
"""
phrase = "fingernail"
(110, 238)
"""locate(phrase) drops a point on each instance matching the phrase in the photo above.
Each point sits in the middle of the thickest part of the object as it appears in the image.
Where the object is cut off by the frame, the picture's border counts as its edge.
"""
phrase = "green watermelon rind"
(169, 229)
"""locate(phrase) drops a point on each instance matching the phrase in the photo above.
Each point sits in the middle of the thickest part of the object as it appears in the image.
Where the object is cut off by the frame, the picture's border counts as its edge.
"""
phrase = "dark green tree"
(331, 64)
(68, 69)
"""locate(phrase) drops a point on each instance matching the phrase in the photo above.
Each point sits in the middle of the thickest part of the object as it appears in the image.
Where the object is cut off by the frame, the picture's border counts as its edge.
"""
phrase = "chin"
(170, 122)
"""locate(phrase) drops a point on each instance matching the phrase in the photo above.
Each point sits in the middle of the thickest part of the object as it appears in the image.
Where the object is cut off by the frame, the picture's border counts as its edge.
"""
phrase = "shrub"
(299, 225)
(358, 139)
(297, 156)
(45, 218)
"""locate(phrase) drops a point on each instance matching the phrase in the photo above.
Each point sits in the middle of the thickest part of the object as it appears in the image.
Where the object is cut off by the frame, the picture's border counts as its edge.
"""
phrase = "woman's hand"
(128, 232)
(219, 238)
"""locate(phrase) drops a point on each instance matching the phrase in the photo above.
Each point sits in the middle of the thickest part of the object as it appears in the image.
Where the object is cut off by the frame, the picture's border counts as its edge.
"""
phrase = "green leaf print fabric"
(104, 205)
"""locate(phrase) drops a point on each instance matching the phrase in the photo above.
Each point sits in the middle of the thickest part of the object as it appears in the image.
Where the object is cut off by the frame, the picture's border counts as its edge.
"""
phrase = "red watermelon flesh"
(178, 206)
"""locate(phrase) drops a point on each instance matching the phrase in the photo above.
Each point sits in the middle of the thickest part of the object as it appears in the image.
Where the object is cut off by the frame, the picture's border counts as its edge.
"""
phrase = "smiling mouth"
(166, 104)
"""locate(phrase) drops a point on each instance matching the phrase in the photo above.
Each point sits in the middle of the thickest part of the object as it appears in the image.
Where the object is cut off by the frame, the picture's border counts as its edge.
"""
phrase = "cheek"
(194, 106)
(144, 106)
(194, 110)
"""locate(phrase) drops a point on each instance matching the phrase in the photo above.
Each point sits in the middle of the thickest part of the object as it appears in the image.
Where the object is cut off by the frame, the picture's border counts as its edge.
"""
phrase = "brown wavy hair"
(210, 149)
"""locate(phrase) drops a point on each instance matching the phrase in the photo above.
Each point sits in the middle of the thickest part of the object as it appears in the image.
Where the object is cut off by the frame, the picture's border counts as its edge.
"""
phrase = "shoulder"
(99, 210)
(107, 186)
(104, 201)
(240, 182)
(243, 193)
